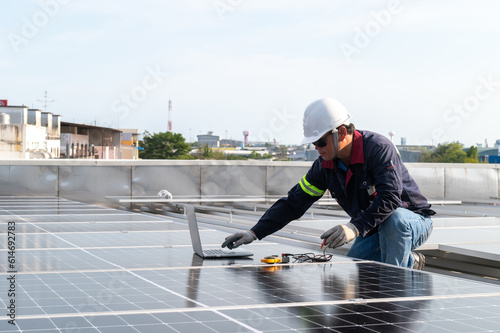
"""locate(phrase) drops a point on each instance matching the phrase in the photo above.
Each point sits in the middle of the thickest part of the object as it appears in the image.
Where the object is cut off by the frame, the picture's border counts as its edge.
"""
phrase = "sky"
(426, 70)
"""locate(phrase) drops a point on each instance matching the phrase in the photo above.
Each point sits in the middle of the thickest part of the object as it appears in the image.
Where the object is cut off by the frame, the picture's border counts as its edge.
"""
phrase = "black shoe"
(418, 261)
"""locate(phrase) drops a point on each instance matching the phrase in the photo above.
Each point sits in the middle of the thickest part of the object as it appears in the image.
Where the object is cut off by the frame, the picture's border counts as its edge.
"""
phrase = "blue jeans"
(397, 236)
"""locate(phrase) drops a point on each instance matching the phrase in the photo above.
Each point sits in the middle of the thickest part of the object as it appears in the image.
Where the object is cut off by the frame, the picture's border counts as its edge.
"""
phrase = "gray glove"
(239, 238)
(340, 235)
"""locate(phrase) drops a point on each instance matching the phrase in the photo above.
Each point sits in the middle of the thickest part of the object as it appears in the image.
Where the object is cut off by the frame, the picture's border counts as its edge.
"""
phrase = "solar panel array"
(83, 268)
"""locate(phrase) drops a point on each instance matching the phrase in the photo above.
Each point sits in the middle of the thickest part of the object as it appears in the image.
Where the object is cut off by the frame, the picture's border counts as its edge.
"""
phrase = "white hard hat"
(322, 116)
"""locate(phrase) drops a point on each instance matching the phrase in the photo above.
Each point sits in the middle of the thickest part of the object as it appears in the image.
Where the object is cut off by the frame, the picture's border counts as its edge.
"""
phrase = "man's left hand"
(340, 235)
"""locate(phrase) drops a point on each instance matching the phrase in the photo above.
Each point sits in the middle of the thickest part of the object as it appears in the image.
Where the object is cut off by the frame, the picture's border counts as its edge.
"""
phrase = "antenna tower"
(45, 101)
(169, 115)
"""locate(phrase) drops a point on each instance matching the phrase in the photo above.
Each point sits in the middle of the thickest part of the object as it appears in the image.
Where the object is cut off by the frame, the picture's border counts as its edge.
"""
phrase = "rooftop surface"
(84, 268)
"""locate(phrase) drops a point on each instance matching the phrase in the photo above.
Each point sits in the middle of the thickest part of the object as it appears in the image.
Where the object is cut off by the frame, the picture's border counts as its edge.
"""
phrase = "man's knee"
(395, 222)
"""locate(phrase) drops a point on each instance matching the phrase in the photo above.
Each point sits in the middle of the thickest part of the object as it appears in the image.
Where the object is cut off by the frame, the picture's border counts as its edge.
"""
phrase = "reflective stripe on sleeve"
(309, 188)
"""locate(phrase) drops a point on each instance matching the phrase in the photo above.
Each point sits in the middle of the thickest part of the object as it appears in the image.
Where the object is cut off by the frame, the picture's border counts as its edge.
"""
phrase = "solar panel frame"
(79, 271)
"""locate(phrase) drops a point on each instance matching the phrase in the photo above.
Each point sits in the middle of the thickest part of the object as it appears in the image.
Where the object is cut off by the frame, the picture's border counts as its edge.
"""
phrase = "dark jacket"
(375, 183)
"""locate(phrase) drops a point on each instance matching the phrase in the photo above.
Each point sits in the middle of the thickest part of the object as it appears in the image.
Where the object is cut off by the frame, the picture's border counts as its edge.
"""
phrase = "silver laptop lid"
(196, 241)
(193, 230)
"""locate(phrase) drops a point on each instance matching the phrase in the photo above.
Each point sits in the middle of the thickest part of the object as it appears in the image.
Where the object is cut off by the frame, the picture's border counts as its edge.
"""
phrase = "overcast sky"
(427, 70)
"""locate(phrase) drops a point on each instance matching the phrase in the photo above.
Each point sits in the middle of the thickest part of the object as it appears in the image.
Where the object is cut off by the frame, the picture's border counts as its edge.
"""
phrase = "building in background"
(213, 141)
(311, 153)
(130, 144)
(28, 133)
(412, 153)
(53, 124)
(487, 155)
(91, 142)
(230, 143)
(32, 133)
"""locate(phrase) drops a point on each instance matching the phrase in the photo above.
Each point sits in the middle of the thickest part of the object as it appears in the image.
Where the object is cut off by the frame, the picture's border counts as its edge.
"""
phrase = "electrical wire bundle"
(308, 257)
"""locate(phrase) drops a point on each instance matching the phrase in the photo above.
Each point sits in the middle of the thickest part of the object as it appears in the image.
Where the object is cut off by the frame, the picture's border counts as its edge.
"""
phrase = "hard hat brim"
(311, 139)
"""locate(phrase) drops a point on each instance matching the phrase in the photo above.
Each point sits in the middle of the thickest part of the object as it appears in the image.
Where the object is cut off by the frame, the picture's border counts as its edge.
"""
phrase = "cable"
(309, 257)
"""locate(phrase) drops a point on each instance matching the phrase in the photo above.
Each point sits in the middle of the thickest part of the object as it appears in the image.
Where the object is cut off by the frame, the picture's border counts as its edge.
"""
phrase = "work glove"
(340, 235)
(238, 239)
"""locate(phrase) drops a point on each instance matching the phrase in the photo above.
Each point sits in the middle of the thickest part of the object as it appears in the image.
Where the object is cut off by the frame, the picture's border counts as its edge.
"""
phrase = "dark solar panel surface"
(82, 268)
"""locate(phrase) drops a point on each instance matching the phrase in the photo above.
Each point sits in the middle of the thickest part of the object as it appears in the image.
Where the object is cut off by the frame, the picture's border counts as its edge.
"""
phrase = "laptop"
(208, 253)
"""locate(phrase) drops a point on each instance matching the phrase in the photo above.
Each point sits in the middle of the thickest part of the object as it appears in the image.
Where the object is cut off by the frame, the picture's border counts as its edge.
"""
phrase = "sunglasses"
(321, 142)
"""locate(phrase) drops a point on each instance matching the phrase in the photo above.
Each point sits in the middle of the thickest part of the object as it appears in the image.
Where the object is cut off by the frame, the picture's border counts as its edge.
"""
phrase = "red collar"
(327, 164)
(357, 155)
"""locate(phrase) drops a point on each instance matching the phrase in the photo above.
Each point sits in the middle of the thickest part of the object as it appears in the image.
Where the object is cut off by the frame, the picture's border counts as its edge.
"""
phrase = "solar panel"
(134, 272)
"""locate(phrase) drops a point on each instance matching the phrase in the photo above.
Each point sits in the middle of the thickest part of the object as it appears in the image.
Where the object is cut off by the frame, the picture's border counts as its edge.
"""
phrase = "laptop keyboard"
(215, 252)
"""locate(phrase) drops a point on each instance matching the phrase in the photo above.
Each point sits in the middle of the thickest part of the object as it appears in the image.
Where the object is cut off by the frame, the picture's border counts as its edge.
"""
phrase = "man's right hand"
(239, 238)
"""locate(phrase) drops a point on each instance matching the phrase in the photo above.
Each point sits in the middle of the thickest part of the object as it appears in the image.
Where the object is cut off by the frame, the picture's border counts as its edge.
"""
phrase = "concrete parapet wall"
(92, 180)
(457, 181)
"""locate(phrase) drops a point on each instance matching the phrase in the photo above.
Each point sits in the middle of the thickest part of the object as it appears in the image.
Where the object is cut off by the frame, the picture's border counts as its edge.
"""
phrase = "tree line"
(451, 152)
(168, 145)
